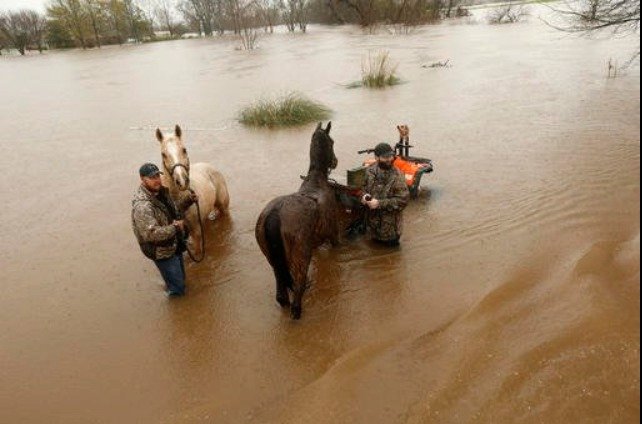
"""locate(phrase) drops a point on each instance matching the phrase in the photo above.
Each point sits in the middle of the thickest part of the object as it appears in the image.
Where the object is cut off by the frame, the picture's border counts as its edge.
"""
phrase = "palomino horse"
(201, 178)
(291, 227)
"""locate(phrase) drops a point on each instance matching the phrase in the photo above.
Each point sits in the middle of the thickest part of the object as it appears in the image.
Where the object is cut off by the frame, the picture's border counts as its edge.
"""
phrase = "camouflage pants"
(385, 226)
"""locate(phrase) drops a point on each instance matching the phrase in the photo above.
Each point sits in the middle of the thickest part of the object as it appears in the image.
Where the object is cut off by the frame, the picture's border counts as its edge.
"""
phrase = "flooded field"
(514, 298)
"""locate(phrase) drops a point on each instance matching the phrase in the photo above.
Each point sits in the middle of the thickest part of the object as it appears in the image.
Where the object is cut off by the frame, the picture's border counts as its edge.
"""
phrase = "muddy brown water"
(515, 297)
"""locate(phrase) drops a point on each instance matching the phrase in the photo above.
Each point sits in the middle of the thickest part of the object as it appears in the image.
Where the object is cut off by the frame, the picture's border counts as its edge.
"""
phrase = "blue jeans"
(173, 272)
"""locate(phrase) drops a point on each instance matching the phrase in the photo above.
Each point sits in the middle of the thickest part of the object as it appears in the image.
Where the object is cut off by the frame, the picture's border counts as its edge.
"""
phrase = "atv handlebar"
(399, 147)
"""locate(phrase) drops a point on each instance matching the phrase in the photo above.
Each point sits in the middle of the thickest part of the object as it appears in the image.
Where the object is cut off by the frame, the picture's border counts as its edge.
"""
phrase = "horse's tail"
(276, 248)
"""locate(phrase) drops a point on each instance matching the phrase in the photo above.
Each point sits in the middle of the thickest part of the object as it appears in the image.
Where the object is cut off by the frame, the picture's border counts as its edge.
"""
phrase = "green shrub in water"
(378, 71)
(290, 110)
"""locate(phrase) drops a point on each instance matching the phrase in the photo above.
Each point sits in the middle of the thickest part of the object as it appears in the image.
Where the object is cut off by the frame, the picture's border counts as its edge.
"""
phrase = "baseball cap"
(384, 150)
(149, 170)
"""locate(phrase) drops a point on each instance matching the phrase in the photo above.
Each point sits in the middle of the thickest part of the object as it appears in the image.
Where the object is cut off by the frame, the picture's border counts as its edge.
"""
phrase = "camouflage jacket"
(152, 222)
(389, 187)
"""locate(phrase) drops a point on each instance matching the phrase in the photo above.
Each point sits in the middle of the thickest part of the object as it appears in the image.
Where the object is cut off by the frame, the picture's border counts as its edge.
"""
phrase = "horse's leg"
(282, 294)
(299, 271)
(221, 202)
(215, 213)
(222, 198)
(222, 195)
(268, 235)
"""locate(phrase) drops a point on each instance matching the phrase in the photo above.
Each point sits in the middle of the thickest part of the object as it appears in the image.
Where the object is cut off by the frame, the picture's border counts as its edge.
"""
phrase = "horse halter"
(176, 166)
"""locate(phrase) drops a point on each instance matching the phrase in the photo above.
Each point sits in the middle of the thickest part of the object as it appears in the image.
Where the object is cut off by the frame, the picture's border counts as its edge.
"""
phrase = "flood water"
(515, 296)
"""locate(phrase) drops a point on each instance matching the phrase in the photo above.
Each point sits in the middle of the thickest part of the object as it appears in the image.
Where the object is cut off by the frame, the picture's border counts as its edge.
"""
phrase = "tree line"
(74, 23)
(94, 23)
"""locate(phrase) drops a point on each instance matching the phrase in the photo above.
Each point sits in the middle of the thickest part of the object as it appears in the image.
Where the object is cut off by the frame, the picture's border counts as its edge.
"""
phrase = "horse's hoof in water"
(295, 313)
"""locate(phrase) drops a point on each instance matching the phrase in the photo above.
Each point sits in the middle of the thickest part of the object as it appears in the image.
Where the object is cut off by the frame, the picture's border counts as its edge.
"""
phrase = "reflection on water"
(515, 295)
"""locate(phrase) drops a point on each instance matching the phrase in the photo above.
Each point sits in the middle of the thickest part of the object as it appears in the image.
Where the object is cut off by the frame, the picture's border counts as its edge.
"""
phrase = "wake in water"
(554, 347)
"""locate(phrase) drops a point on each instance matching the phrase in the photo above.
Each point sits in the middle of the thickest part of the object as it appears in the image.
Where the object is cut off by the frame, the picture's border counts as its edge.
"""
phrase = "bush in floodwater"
(290, 110)
(378, 71)
(509, 13)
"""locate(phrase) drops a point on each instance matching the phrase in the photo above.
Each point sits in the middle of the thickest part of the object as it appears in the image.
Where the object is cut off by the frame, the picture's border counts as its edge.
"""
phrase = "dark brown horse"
(291, 227)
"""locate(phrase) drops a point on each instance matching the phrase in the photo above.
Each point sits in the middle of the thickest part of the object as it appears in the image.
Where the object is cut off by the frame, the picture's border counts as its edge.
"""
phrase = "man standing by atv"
(386, 197)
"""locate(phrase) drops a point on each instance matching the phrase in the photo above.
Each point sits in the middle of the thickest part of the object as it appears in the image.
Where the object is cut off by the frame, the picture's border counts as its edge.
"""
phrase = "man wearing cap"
(386, 197)
(159, 228)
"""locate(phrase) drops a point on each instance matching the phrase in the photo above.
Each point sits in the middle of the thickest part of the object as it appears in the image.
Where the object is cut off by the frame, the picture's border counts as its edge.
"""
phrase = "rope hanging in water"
(200, 220)
(200, 223)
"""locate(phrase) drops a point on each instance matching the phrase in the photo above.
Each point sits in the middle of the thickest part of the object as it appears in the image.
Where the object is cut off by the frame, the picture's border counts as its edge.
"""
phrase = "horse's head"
(175, 159)
(322, 157)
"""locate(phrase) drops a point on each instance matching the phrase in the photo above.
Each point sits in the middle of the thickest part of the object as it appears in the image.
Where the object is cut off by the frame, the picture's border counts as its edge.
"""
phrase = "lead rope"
(198, 211)
(200, 222)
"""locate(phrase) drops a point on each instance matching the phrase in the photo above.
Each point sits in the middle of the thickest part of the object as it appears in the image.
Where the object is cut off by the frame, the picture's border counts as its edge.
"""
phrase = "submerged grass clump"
(290, 110)
(379, 72)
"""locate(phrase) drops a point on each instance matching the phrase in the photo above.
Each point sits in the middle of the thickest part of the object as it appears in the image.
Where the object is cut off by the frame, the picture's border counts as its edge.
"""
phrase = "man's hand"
(373, 204)
(180, 225)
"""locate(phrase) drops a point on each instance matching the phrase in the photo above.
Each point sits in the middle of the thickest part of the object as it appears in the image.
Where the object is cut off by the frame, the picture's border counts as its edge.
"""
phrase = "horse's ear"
(159, 135)
(178, 131)
(399, 127)
(320, 126)
(328, 128)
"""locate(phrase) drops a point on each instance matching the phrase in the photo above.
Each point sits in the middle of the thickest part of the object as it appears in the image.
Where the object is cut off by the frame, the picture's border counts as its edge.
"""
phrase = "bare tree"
(4, 42)
(22, 29)
(37, 25)
(131, 9)
(14, 32)
(365, 9)
(247, 16)
(249, 37)
(412, 13)
(190, 16)
(403, 14)
(509, 13)
(289, 14)
(95, 12)
(451, 6)
(203, 11)
(590, 16)
(269, 11)
(236, 15)
(594, 15)
(333, 6)
(164, 11)
(147, 13)
(303, 14)
(296, 13)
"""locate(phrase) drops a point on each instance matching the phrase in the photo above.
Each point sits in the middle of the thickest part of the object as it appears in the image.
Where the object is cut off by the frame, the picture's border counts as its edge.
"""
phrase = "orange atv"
(413, 168)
